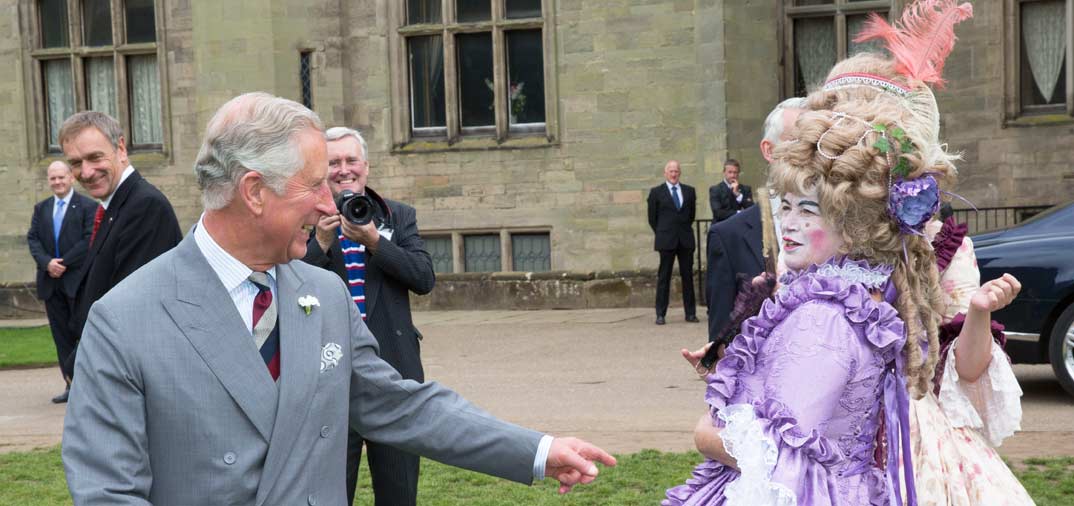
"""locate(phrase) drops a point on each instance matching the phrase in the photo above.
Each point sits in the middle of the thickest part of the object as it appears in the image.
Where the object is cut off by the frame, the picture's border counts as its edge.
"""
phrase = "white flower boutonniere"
(330, 355)
(308, 302)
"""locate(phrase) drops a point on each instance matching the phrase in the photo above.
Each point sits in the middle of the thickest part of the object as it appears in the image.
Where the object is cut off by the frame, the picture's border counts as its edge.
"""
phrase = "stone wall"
(638, 82)
(1004, 163)
(635, 88)
(549, 290)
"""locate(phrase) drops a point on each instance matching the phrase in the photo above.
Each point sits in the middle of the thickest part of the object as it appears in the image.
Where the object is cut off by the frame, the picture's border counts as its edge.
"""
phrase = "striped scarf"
(354, 261)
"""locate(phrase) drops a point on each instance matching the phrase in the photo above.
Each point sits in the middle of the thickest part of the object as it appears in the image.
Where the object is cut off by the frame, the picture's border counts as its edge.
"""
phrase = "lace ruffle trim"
(992, 405)
(879, 322)
(852, 271)
(756, 455)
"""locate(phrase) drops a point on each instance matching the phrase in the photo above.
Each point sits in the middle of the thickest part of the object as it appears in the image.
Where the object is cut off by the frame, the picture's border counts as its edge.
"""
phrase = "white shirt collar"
(229, 269)
(670, 185)
(126, 173)
(65, 198)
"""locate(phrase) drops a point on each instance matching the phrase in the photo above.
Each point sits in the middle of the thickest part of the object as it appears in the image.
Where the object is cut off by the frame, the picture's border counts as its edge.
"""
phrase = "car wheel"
(1061, 349)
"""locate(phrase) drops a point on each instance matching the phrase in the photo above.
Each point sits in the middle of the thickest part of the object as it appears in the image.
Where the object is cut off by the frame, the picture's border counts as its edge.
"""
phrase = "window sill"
(1040, 120)
(149, 160)
(426, 145)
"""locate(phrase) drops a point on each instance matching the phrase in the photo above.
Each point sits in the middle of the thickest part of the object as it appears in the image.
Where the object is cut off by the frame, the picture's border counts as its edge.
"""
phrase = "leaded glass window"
(482, 253)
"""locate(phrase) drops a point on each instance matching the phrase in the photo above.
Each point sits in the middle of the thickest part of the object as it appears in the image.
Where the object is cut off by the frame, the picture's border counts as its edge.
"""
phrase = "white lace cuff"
(756, 455)
(992, 404)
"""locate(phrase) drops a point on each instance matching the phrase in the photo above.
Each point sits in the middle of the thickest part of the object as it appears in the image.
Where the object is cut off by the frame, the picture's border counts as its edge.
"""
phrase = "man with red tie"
(58, 239)
(134, 224)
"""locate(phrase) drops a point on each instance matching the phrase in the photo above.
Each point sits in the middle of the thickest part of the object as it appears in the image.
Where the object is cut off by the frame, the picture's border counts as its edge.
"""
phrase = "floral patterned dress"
(955, 428)
(801, 394)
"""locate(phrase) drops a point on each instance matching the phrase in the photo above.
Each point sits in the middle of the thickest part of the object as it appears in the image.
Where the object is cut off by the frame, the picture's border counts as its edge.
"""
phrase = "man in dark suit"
(728, 197)
(734, 247)
(134, 224)
(58, 239)
(381, 266)
(672, 207)
(735, 244)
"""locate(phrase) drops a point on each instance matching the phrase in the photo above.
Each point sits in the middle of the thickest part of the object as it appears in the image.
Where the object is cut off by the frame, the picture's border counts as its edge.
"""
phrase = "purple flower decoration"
(913, 202)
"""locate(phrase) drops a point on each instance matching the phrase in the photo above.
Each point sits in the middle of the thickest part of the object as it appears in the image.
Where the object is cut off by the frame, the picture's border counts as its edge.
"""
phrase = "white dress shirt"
(66, 199)
(234, 275)
(678, 190)
(126, 173)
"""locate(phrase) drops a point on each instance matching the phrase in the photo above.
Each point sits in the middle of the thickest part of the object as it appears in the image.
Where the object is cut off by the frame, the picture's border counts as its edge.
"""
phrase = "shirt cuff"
(739, 197)
(541, 458)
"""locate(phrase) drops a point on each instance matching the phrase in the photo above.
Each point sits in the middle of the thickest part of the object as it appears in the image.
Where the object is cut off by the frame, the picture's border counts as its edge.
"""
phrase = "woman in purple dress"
(809, 405)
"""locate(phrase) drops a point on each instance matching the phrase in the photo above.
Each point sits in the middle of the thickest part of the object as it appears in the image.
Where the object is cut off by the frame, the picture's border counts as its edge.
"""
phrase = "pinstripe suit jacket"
(174, 405)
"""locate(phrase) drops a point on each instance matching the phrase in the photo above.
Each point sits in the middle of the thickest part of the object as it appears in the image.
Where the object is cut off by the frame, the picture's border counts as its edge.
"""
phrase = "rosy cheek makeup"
(818, 240)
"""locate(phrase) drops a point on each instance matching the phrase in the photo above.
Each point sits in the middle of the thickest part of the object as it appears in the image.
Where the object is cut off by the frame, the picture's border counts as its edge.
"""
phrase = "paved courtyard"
(609, 376)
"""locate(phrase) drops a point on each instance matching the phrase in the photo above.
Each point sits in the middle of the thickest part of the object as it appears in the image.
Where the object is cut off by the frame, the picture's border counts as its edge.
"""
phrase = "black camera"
(355, 208)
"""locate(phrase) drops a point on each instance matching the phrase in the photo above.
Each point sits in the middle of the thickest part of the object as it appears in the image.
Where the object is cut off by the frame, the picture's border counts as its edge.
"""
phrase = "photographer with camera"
(373, 244)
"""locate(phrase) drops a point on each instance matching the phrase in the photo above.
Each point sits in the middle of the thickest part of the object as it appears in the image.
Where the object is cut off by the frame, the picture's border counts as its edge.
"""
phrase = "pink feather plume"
(922, 39)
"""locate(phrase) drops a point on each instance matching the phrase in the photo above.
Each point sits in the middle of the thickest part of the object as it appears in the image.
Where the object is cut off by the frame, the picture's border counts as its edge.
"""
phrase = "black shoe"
(659, 320)
(62, 398)
(692, 319)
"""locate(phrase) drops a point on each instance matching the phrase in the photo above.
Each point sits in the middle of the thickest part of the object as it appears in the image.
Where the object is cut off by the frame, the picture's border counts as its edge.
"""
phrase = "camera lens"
(357, 209)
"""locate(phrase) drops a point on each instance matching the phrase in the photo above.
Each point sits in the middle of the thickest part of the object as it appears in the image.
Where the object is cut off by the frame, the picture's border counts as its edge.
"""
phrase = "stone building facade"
(624, 86)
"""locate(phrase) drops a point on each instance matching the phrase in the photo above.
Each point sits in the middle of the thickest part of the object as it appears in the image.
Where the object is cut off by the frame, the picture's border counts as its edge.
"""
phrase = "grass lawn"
(36, 478)
(26, 347)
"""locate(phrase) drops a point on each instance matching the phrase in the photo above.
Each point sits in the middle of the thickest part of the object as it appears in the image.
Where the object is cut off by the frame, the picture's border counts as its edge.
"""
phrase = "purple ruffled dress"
(803, 393)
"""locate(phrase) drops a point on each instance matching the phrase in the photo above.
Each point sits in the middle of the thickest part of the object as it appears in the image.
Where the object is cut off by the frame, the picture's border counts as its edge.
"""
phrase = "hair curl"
(853, 187)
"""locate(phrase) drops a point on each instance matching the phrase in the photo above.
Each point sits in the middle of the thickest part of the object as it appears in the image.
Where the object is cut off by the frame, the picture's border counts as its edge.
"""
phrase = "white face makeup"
(807, 238)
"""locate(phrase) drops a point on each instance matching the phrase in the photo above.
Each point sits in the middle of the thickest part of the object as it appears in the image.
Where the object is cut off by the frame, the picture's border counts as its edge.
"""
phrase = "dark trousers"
(394, 472)
(59, 308)
(663, 280)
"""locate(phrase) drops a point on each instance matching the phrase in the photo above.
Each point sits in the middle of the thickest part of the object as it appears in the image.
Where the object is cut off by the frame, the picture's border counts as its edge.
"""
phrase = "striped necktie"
(265, 329)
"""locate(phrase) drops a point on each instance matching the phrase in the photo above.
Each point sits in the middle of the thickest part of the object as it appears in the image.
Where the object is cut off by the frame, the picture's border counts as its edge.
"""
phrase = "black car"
(1040, 321)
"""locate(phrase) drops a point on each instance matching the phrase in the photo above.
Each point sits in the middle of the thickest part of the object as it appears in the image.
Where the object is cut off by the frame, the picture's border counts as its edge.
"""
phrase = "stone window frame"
(458, 250)
(837, 9)
(1014, 114)
(76, 53)
(403, 139)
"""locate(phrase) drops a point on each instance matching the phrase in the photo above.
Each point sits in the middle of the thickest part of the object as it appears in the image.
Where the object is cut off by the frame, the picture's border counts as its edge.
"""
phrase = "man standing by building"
(134, 224)
(735, 244)
(381, 267)
(58, 238)
(227, 372)
(672, 206)
(728, 197)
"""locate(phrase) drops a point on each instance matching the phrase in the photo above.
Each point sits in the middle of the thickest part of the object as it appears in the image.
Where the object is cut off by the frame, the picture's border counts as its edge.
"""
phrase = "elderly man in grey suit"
(224, 372)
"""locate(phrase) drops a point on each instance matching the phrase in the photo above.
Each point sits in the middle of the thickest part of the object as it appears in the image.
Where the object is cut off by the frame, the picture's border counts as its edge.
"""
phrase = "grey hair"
(251, 132)
(107, 125)
(773, 124)
(337, 133)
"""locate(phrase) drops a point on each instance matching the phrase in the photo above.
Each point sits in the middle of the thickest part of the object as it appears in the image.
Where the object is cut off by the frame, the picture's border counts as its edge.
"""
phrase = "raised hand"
(995, 294)
(694, 358)
(326, 230)
(571, 461)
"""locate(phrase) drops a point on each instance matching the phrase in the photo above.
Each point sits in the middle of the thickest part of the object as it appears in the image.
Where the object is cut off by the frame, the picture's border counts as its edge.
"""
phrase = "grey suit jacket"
(174, 404)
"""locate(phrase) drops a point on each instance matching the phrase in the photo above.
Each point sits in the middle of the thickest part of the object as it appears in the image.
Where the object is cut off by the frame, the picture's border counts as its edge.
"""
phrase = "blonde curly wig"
(852, 180)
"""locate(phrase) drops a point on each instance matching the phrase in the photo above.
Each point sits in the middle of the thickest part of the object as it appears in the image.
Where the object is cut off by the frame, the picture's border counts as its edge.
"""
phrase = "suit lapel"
(372, 281)
(205, 313)
(114, 207)
(73, 209)
(48, 209)
(300, 352)
(753, 242)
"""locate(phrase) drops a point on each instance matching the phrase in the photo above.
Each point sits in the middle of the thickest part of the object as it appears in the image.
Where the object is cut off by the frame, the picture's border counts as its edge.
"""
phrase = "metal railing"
(986, 219)
(983, 220)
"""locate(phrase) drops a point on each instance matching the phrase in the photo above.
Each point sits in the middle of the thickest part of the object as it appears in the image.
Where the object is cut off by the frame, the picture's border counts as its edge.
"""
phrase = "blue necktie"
(57, 221)
(675, 197)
